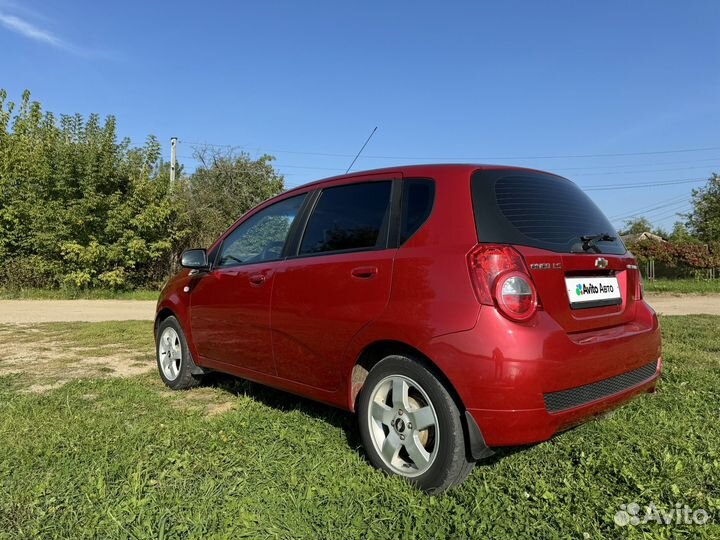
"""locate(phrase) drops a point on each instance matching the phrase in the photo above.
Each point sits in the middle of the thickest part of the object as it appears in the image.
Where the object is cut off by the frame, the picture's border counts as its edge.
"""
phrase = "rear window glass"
(350, 217)
(538, 210)
(417, 202)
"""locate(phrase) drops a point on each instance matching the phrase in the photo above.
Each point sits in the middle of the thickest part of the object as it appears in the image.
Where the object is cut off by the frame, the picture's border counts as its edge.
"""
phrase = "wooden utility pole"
(173, 157)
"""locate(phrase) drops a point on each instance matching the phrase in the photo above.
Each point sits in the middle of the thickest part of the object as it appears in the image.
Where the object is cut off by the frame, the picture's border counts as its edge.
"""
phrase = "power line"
(666, 214)
(283, 165)
(644, 171)
(674, 213)
(662, 210)
(559, 169)
(611, 187)
(658, 204)
(565, 156)
(338, 169)
(655, 164)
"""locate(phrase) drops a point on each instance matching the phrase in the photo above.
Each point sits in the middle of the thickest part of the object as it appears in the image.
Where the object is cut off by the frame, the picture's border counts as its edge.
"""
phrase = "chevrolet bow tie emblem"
(601, 262)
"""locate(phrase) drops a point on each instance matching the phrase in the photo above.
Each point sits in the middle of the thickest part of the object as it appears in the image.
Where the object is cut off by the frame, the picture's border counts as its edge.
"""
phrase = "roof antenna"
(363, 148)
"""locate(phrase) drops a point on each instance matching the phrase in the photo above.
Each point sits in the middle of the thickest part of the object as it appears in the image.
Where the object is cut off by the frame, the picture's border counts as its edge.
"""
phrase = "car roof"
(424, 170)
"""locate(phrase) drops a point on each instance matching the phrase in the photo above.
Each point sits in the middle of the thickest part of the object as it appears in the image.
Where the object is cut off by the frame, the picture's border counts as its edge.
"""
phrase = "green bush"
(30, 272)
(80, 209)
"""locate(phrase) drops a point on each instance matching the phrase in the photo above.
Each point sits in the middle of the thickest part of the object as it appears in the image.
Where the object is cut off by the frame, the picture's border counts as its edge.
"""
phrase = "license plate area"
(585, 292)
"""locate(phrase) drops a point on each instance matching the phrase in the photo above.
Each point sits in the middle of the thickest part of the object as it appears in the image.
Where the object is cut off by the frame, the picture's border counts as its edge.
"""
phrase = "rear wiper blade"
(589, 240)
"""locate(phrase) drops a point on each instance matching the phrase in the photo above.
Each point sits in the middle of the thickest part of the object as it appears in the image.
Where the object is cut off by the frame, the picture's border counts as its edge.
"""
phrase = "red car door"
(338, 281)
(230, 314)
(230, 305)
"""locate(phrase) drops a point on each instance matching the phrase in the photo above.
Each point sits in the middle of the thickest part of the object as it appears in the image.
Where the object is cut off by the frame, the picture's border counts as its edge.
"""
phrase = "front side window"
(350, 217)
(262, 237)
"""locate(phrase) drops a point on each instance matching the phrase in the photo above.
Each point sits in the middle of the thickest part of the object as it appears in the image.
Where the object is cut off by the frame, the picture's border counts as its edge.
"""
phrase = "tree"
(224, 187)
(636, 226)
(77, 206)
(680, 234)
(704, 220)
(640, 225)
(80, 208)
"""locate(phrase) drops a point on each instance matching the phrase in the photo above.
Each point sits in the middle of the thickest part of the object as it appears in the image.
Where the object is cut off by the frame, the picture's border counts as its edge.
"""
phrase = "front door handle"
(364, 272)
(257, 279)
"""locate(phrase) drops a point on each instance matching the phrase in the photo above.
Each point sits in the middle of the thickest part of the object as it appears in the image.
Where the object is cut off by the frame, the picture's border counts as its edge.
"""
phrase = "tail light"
(501, 278)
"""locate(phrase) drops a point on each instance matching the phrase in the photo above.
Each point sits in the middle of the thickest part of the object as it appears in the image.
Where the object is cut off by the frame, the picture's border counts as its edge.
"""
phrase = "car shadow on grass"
(287, 402)
(345, 420)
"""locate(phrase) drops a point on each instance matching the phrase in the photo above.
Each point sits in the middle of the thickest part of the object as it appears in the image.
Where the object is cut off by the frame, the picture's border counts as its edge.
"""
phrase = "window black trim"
(393, 238)
(297, 230)
(400, 210)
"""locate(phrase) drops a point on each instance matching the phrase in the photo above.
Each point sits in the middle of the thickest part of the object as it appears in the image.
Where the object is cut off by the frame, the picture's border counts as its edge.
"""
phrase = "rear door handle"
(257, 279)
(364, 272)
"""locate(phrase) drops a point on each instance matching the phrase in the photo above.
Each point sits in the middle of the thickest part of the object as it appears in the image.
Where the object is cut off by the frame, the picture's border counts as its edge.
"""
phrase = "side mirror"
(196, 259)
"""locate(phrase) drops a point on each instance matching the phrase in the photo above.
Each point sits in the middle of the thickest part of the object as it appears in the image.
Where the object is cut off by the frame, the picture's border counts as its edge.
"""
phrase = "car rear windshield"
(538, 210)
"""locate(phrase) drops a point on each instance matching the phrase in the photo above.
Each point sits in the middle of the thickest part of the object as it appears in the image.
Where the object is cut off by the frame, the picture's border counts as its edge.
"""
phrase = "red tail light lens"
(501, 278)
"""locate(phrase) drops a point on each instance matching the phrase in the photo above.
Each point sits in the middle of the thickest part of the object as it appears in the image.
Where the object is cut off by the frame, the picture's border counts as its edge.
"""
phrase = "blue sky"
(496, 82)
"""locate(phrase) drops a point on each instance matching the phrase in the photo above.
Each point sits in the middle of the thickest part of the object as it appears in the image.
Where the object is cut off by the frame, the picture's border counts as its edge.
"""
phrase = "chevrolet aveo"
(454, 308)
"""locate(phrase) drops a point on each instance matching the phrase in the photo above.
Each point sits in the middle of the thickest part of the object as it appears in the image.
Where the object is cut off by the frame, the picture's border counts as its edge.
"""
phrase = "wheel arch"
(161, 315)
(376, 351)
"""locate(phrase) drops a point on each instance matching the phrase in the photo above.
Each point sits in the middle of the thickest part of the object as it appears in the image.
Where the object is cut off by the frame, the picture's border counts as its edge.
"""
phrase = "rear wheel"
(173, 356)
(411, 426)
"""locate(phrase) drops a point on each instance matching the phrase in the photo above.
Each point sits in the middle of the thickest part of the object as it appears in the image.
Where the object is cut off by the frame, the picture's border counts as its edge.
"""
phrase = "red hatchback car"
(454, 308)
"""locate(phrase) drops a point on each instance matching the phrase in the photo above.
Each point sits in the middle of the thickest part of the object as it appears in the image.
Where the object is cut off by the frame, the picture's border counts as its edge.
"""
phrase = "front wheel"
(173, 356)
(410, 425)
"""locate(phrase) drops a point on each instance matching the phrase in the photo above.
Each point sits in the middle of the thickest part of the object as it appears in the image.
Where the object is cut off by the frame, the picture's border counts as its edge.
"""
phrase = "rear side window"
(537, 210)
(350, 217)
(417, 203)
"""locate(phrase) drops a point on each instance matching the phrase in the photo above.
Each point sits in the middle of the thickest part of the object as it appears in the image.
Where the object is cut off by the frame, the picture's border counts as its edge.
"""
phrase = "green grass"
(125, 458)
(76, 294)
(134, 335)
(683, 286)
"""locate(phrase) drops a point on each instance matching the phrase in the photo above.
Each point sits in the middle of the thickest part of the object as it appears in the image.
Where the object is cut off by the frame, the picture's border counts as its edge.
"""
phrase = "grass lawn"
(116, 455)
(683, 286)
(76, 294)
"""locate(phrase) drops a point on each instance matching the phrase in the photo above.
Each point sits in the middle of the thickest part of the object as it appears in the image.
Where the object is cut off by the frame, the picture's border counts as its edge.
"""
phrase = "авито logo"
(591, 288)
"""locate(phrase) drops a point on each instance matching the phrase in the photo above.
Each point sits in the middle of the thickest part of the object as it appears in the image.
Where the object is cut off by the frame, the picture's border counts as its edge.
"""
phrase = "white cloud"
(29, 30)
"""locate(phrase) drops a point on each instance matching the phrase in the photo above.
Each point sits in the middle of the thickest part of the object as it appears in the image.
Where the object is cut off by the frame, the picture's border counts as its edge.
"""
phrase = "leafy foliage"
(80, 209)
(690, 254)
(693, 245)
(224, 186)
(704, 220)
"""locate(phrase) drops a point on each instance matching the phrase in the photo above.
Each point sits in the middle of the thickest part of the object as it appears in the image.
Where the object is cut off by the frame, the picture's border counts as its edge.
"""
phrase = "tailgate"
(578, 289)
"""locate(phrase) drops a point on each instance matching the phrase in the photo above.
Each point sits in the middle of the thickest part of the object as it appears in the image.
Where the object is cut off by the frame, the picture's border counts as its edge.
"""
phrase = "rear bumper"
(503, 372)
(510, 428)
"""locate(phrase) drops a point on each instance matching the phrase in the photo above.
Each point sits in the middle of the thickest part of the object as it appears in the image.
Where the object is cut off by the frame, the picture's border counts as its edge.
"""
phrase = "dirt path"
(667, 304)
(35, 311)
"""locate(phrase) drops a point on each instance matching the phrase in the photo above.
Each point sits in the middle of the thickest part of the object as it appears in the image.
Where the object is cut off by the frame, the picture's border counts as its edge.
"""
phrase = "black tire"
(450, 464)
(184, 378)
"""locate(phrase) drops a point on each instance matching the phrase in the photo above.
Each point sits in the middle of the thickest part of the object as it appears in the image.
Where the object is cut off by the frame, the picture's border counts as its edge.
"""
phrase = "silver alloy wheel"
(170, 353)
(403, 425)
